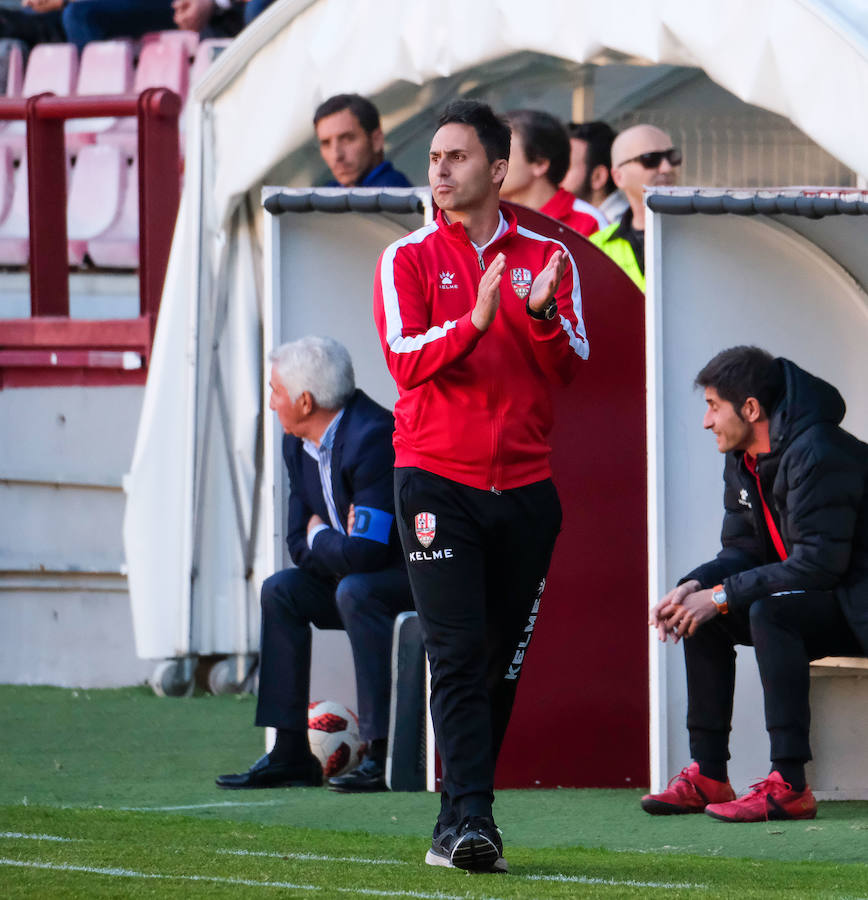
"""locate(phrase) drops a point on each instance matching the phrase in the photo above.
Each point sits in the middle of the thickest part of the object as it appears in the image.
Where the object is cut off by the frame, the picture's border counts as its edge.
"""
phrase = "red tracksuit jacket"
(474, 407)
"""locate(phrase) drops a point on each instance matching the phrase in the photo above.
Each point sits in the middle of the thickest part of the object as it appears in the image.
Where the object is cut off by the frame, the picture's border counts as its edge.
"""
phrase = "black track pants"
(787, 631)
(477, 562)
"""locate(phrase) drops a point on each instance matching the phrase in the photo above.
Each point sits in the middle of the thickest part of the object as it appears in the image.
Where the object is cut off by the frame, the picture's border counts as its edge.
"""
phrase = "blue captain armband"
(373, 524)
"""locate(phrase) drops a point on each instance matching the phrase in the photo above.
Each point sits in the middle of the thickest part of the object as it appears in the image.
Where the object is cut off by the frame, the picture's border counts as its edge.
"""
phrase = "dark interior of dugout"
(581, 717)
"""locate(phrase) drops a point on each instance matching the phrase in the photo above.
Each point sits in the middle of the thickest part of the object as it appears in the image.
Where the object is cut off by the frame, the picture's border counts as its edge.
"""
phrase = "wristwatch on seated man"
(718, 597)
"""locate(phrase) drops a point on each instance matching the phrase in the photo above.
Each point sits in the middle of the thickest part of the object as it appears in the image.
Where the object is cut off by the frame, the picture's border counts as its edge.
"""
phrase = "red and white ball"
(333, 733)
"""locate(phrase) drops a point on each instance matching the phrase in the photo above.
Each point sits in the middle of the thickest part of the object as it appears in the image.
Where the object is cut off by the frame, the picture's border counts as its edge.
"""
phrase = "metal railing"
(49, 347)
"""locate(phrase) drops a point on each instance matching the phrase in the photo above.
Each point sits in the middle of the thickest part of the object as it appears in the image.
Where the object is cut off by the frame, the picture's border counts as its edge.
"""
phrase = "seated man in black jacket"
(349, 571)
(791, 578)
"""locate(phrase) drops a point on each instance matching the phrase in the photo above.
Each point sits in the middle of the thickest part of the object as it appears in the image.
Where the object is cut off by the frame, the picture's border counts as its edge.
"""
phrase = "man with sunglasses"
(641, 155)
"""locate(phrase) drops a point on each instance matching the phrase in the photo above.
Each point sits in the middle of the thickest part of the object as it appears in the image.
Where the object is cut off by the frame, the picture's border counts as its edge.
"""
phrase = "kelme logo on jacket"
(521, 280)
(743, 498)
(426, 528)
(447, 281)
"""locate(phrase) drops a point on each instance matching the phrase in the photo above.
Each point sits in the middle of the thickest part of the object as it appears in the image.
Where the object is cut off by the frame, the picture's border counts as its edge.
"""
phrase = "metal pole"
(46, 169)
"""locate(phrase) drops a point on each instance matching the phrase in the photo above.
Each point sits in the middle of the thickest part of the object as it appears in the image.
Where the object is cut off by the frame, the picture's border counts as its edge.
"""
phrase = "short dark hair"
(599, 137)
(359, 106)
(491, 129)
(742, 372)
(544, 138)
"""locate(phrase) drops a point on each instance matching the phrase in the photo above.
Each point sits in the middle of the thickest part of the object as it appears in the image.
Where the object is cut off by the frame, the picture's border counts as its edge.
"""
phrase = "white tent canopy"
(194, 504)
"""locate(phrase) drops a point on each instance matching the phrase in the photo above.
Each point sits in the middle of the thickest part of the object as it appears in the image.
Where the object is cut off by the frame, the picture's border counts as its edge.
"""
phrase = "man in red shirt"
(477, 317)
(538, 160)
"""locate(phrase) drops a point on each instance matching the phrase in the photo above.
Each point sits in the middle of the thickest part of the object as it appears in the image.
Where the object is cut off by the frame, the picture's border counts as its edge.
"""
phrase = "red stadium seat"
(51, 68)
(106, 68)
(15, 227)
(118, 248)
(11, 68)
(162, 64)
(7, 182)
(96, 192)
(189, 40)
(11, 73)
(206, 53)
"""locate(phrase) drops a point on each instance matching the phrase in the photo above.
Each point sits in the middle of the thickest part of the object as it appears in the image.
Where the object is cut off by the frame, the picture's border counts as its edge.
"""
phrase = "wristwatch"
(718, 597)
(549, 311)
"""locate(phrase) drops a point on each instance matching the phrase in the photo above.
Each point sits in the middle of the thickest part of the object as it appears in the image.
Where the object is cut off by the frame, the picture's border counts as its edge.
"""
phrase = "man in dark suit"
(349, 571)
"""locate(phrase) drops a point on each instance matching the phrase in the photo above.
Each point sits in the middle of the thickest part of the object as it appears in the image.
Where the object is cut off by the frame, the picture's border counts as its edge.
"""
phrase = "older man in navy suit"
(349, 571)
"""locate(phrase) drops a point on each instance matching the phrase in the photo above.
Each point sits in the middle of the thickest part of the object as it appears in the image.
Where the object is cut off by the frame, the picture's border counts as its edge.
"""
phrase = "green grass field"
(110, 794)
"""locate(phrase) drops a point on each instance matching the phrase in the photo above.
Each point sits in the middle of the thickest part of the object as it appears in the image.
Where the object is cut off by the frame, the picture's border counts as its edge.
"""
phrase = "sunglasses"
(653, 159)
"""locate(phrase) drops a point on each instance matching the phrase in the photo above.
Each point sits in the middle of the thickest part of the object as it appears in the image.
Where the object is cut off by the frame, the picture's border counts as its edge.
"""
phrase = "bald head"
(638, 139)
(632, 173)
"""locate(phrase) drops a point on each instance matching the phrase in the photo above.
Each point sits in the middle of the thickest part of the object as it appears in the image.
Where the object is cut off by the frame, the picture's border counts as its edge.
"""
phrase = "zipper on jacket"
(495, 426)
(481, 262)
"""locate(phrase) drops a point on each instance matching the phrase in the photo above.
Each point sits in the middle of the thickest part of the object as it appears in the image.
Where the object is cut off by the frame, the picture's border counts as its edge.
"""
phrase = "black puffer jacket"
(815, 481)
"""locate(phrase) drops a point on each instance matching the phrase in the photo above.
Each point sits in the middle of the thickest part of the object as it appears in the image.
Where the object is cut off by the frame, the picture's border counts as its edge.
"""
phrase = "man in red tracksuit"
(477, 317)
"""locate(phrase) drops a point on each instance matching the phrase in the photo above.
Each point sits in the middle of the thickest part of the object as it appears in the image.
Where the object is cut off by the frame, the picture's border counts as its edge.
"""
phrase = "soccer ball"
(333, 733)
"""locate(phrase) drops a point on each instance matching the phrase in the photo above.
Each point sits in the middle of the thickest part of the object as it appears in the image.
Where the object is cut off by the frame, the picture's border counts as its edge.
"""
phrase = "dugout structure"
(805, 59)
(193, 530)
(578, 720)
(785, 270)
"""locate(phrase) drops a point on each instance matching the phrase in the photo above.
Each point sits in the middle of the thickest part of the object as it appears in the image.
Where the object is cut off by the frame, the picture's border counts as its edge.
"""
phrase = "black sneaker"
(477, 846)
(440, 853)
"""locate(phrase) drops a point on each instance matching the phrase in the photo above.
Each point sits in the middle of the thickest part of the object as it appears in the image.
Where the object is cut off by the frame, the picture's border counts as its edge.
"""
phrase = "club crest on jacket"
(426, 527)
(521, 280)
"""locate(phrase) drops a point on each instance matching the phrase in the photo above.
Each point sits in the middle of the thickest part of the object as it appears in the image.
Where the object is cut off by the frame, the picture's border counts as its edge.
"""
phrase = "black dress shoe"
(266, 774)
(369, 776)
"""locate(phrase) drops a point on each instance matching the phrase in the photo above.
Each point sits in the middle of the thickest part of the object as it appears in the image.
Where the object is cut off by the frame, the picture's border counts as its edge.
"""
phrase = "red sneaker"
(773, 798)
(688, 792)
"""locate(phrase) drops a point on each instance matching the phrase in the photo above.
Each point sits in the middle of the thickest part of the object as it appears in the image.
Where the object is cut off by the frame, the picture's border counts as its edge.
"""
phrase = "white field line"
(566, 879)
(18, 835)
(129, 873)
(304, 857)
(245, 882)
(194, 806)
(313, 857)
(613, 882)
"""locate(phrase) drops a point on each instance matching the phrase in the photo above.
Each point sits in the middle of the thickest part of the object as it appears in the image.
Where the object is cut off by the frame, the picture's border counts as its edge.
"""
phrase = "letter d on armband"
(373, 524)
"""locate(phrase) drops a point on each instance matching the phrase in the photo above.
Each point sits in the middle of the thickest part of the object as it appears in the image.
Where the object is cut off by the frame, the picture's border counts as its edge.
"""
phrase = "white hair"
(319, 365)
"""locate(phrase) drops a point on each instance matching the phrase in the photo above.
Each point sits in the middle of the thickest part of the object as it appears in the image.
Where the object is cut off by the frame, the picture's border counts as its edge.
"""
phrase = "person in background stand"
(538, 158)
(79, 23)
(641, 155)
(351, 143)
(589, 176)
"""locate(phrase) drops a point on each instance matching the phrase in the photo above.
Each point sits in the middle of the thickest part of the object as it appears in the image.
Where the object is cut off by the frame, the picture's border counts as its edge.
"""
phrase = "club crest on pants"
(521, 280)
(426, 527)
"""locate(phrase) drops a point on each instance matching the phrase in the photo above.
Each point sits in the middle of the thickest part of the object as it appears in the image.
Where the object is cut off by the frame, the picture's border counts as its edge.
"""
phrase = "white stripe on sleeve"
(391, 303)
(578, 340)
